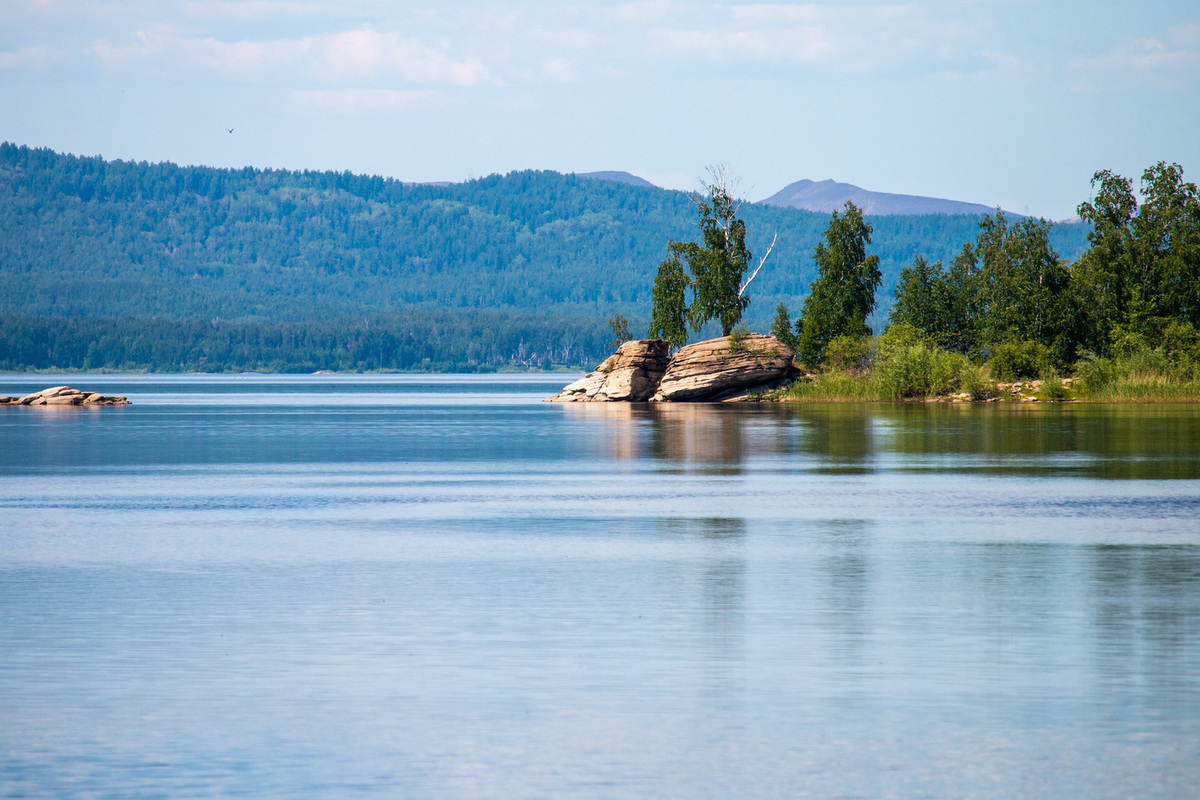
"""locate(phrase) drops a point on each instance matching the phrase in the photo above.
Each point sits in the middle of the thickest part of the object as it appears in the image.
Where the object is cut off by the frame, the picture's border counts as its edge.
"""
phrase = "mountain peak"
(830, 195)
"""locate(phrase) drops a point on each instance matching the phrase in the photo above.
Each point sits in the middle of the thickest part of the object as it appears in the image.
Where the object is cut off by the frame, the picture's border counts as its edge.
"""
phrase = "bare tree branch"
(761, 261)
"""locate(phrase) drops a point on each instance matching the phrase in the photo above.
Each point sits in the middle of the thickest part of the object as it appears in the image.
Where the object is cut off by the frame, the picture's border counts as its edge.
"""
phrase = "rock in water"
(64, 396)
(721, 368)
(631, 374)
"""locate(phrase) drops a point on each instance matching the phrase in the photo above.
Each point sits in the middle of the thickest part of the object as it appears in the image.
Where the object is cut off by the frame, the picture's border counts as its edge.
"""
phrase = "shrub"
(1092, 373)
(848, 353)
(1053, 387)
(901, 336)
(1141, 374)
(976, 381)
(737, 339)
(1016, 360)
(1181, 346)
(922, 370)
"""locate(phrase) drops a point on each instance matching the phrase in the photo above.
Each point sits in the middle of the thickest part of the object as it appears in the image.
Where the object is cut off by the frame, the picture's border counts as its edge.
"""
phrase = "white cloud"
(559, 70)
(1003, 60)
(852, 38)
(1187, 35)
(362, 101)
(1165, 61)
(244, 10)
(31, 56)
(809, 45)
(774, 14)
(363, 54)
(642, 12)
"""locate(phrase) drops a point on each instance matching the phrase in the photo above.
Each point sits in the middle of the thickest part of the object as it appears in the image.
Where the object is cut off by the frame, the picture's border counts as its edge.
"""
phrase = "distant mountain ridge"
(829, 195)
(617, 176)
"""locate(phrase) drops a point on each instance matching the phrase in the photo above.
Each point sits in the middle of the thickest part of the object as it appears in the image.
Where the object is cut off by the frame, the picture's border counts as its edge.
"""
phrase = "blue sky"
(1004, 102)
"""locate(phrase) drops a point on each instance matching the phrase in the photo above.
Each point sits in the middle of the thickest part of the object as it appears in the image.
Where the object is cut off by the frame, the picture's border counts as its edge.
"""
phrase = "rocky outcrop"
(64, 396)
(723, 368)
(631, 374)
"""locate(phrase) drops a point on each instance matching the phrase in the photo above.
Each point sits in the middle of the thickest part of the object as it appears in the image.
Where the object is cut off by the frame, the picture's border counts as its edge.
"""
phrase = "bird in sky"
(229, 129)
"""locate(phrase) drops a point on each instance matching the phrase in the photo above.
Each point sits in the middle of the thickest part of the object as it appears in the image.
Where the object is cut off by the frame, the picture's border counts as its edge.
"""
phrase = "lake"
(439, 586)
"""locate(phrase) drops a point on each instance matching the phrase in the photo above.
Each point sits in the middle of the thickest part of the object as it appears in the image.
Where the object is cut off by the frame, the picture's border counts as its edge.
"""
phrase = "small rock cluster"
(717, 370)
(1024, 391)
(64, 396)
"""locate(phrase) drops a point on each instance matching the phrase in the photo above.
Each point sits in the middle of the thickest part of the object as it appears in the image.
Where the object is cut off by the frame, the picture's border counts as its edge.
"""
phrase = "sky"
(1011, 103)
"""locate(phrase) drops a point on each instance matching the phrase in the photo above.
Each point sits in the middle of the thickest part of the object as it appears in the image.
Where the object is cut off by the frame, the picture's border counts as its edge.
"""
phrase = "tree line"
(415, 341)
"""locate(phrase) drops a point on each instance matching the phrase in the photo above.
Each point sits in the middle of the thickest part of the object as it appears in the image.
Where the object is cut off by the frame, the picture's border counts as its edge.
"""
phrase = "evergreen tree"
(843, 294)
(781, 328)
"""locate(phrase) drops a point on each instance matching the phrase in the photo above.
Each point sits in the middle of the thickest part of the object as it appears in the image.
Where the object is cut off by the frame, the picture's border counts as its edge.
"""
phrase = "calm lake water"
(439, 586)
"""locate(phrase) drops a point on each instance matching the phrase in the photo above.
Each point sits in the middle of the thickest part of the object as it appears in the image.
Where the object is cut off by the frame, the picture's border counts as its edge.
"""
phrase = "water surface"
(433, 586)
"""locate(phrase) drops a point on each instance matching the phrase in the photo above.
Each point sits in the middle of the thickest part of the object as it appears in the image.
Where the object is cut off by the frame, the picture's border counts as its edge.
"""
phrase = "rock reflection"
(713, 438)
(709, 435)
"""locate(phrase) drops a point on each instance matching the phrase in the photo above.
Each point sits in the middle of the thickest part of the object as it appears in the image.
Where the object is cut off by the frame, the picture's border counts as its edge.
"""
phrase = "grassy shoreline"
(903, 366)
(825, 388)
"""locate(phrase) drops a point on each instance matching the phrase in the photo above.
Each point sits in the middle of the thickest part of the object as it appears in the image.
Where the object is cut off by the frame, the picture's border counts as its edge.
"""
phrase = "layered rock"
(727, 367)
(64, 396)
(631, 374)
(715, 370)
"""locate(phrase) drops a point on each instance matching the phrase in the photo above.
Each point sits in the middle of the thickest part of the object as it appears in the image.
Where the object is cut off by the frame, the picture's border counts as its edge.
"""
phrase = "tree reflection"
(720, 586)
(1146, 617)
(1117, 442)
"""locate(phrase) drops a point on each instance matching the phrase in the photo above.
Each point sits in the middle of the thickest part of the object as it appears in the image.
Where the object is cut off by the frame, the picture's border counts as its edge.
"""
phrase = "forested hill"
(128, 246)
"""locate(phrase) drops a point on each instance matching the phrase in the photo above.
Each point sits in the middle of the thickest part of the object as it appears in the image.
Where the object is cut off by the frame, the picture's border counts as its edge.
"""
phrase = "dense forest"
(120, 265)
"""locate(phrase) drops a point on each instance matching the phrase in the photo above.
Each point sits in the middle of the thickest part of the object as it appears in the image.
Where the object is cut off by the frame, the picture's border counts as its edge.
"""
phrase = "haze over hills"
(829, 195)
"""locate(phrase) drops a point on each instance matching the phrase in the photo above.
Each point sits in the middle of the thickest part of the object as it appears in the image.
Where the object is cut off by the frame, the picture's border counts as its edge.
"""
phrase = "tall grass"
(834, 387)
(1141, 375)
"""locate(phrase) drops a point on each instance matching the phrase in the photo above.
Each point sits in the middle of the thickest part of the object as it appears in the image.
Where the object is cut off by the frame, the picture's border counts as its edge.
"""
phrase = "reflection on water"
(845, 572)
(281, 594)
(1108, 441)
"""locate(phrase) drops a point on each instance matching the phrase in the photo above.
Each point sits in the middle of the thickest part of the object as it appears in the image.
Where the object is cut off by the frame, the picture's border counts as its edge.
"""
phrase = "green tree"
(1022, 284)
(943, 304)
(1166, 234)
(781, 328)
(1142, 269)
(843, 294)
(1008, 285)
(1101, 279)
(921, 298)
(620, 330)
(668, 319)
(713, 269)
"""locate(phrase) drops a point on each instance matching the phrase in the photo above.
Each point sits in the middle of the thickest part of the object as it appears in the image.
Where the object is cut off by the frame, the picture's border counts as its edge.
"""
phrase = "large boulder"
(631, 374)
(723, 368)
